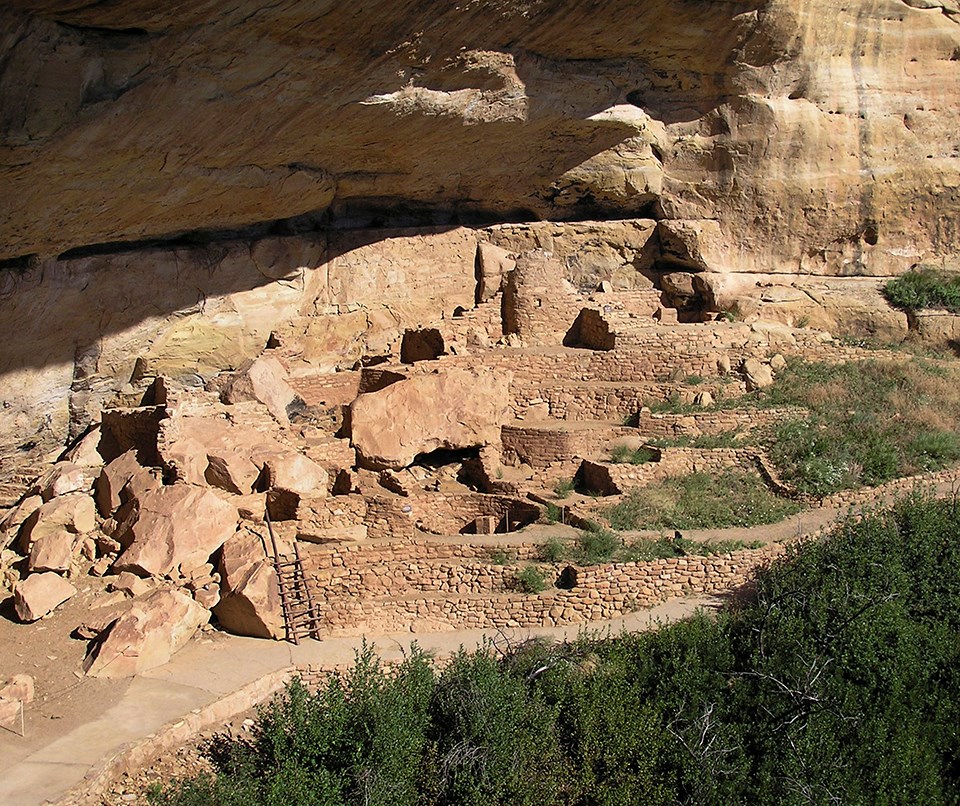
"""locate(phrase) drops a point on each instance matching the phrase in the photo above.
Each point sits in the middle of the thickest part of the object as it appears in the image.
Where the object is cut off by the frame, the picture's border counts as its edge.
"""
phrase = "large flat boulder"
(177, 526)
(264, 379)
(63, 478)
(112, 479)
(74, 512)
(53, 552)
(249, 595)
(146, 636)
(452, 409)
(40, 594)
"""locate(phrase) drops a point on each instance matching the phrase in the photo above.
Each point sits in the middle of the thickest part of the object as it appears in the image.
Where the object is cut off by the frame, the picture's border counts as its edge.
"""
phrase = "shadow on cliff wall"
(570, 62)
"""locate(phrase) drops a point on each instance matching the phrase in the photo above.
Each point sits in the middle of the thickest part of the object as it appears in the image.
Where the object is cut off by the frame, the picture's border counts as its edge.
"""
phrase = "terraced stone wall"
(437, 596)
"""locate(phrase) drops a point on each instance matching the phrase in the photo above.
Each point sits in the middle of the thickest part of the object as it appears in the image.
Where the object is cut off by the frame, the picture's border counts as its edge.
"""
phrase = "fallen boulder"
(264, 379)
(112, 479)
(249, 594)
(40, 594)
(453, 409)
(14, 518)
(756, 374)
(146, 636)
(63, 478)
(53, 552)
(74, 512)
(179, 525)
(85, 452)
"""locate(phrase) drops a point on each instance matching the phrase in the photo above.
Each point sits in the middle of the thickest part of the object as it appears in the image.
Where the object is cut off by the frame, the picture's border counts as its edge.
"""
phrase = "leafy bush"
(596, 546)
(553, 550)
(552, 513)
(530, 579)
(563, 488)
(925, 288)
(501, 556)
(700, 501)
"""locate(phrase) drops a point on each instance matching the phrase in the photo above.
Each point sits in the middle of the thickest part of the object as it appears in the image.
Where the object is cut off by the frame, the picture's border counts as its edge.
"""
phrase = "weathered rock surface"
(293, 472)
(113, 477)
(14, 517)
(146, 636)
(53, 552)
(455, 408)
(756, 374)
(74, 513)
(63, 478)
(668, 101)
(761, 134)
(265, 380)
(85, 452)
(250, 599)
(15, 692)
(38, 594)
(177, 526)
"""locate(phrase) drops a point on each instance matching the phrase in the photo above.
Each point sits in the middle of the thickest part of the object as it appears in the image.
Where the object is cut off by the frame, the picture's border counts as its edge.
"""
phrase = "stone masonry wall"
(542, 446)
(601, 592)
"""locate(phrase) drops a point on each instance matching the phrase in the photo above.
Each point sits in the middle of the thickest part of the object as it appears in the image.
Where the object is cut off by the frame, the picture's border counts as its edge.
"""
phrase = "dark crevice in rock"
(346, 217)
(19, 265)
(101, 31)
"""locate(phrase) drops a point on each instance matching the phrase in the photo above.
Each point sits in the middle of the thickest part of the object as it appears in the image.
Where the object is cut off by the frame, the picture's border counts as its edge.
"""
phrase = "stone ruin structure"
(389, 480)
(405, 273)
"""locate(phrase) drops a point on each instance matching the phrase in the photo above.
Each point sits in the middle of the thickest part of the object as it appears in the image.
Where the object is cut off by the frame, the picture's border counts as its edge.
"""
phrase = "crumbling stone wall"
(542, 446)
(653, 425)
(613, 479)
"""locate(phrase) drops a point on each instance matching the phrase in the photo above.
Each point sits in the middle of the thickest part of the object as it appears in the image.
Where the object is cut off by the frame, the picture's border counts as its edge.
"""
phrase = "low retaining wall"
(614, 479)
(602, 592)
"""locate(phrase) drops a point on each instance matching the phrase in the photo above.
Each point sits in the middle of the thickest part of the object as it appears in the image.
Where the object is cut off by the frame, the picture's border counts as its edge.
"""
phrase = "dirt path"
(49, 765)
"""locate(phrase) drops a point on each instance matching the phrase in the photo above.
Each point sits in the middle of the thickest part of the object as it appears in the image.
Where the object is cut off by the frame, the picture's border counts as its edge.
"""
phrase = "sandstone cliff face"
(820, 138)
(181, 180)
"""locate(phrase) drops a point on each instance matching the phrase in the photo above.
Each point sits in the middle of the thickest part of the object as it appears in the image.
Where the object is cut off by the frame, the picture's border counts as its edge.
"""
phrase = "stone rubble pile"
(166, 502)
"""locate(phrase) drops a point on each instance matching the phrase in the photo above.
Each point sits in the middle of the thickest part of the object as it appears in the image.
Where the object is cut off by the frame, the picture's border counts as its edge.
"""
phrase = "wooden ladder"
(301, 616)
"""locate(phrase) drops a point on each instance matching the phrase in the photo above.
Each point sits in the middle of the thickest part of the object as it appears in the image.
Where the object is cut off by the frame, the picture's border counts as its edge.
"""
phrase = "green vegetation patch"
(700, 501)
(625, 455)
(925, 288)
(837, 681)
(530, 579)
(725, 439)
(869, 422)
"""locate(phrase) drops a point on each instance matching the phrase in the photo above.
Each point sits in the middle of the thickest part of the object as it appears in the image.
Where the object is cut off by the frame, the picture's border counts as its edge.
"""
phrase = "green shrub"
(501, 556)
(596, 546)
(563, 488)
(553, 550)
(552, 513)
(725, 439)
(530, 579)
(623, 454)
(836, 681)
(925, 288)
